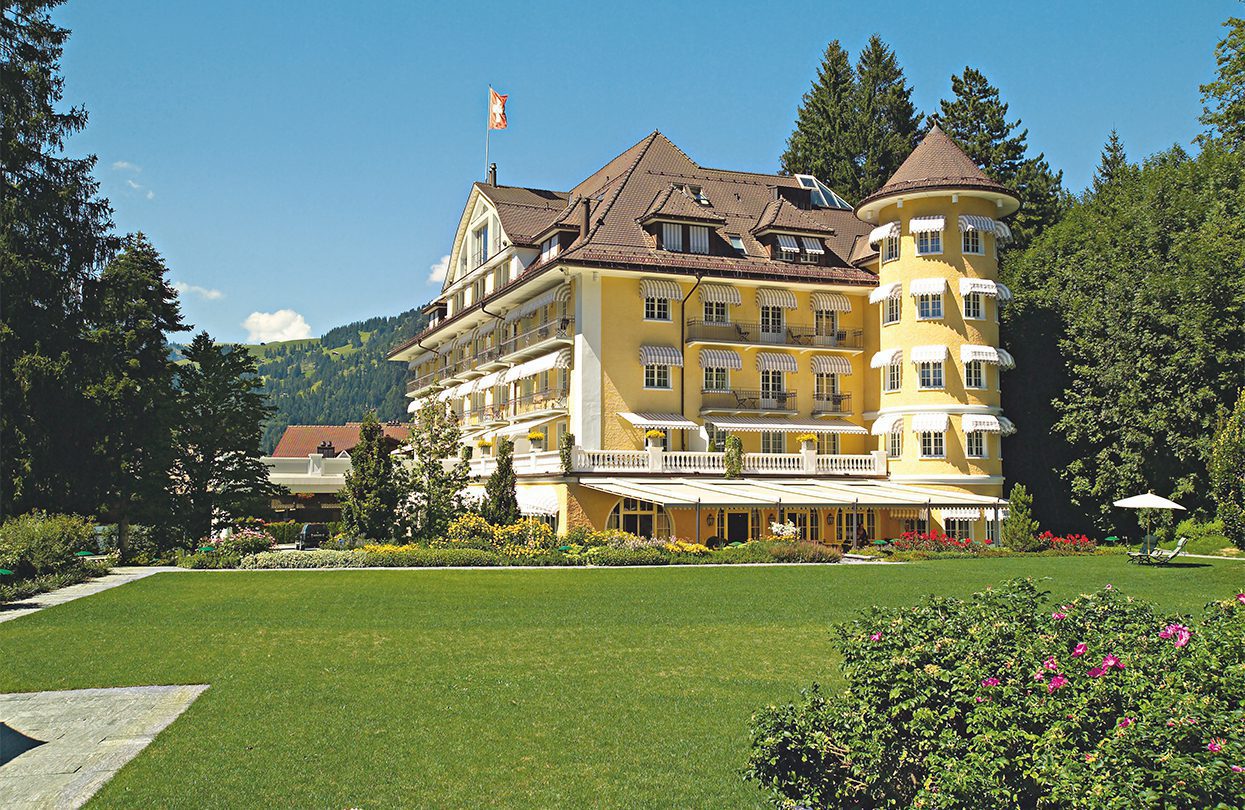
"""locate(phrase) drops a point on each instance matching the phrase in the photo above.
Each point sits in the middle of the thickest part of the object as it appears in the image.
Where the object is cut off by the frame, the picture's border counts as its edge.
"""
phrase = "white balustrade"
(688, 462)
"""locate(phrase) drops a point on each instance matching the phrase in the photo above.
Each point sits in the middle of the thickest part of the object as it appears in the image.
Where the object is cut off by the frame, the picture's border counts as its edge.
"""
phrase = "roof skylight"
(821, 194)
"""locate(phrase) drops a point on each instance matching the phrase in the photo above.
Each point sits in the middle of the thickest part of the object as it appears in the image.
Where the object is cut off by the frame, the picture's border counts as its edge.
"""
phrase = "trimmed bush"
(37, 543)
(209, 560)
(316, 558)
(1003, 700)
(608, 555)
(284, 532)
(468, 530)
(529, 532)
(241, 542)
(803, 552)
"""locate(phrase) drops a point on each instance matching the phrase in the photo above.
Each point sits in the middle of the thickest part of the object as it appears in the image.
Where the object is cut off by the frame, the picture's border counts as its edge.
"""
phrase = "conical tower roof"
(938, 164)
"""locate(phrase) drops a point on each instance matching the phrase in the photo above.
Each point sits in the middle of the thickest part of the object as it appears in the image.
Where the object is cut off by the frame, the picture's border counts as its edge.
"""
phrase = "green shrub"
(528, 532)
(241, 542)
(746, 553)
(609, 555)
(576, 536)
(390, 557)
(1020, 529)
(284, 532)
(26, 588)
(803, 552)
(316, 558)
(38, 543)
(468, 530)
(209, 559)
(1005, 701)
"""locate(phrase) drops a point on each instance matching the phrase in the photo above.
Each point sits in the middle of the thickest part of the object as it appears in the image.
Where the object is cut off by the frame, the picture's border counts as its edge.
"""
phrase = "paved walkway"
(58, 748)
(118, 576)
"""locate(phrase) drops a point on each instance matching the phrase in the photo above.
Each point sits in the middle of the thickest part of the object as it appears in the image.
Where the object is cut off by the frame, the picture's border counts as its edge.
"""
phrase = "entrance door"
(736, 527)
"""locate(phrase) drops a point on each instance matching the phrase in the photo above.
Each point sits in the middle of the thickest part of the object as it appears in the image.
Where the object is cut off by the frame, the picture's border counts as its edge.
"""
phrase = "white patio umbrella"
(1148, 501)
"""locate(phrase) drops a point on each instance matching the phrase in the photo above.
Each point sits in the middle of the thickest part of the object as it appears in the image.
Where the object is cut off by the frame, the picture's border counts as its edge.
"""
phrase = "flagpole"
(488, 112)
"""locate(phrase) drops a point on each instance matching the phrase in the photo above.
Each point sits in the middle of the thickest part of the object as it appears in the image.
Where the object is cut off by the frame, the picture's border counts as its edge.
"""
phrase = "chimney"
(585, 206)
(492, 174)
(326, 449)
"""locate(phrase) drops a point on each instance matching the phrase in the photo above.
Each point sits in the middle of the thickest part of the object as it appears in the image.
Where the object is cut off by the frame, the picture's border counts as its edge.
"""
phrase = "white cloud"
(133, 185)
(151, 195)
(126, 166)
(284, 324)
(206, 293)
(439, 270)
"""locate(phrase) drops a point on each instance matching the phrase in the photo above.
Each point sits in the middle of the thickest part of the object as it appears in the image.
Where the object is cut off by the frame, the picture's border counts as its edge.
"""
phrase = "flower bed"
(1005, 701)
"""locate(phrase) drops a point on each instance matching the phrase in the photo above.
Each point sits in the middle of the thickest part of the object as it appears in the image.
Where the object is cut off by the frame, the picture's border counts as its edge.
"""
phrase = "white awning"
(415, 405)
(927, 286)
(558, 359)
(989, 513)
(773, 361)
(661, 356)
(422, 357)
(930, 354)
(461, 390)
(462, 340)
(720, 358)
(720, 294)
(886, 423)
(763, 492)
(490, 380)
(883, 231)
(930, 422)
(532, 304)
(981, 286)
(886, 357)
(788, 243)
(972, 222)
(1007, 426)
(1003, 232)
(521, 428)
(485, 329)
(892, 290)
(970, 353)
(650, 420)
(812, 245)
(830, 302)
(960, 513)
(448, 393)
(660, 288)
(758, 424)
(831, 364)
(537, 501)
(980, 423)
(926, 224)
(767, 297)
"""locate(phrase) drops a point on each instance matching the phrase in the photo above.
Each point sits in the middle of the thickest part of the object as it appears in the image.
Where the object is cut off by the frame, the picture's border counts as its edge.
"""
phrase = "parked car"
(311, 536)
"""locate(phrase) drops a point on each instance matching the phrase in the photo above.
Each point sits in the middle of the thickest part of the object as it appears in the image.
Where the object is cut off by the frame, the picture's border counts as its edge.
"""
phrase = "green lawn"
(536, 688)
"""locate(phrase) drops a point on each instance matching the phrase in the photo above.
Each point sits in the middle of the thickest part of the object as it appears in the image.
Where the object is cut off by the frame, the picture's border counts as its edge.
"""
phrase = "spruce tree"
(1112, 164)
(1020, 529)
(824, 141)
(888, 122)
(430, 489)
(1223, 100)
(501, 504)
(1227, 473)
(370, 497)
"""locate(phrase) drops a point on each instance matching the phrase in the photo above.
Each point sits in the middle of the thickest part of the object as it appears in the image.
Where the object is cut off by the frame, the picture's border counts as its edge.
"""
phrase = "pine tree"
(824, 141)
(1227, 473)
(1112, 164)
(134, 403)
(370, 497)
(888, 123)
(1020, 529)
(501, 504)
(430, 489)
(1223, 100)
(218, 474)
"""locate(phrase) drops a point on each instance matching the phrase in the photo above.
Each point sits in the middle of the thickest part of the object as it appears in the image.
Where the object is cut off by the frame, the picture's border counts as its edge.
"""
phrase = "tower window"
(974, 374)
(894, 440)
(931, 375)
(975, 444)
(928, 242)
(929, 307)
(971, 243)
(932, 446)
(892, 377)
(890, 249)
(892, 309)
(973, 309)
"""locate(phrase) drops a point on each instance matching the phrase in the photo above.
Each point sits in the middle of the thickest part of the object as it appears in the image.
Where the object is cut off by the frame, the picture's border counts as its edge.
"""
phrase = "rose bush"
(1003, 700)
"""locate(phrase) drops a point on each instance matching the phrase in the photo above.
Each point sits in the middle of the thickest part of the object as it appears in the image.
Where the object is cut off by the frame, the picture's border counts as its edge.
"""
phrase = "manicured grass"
(530, 688)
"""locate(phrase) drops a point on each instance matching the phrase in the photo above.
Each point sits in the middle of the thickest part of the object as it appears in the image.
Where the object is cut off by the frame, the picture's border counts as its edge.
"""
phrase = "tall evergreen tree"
(824, 141)
(888, 122)
(218, 474)
(1112, 164)
(1227, 473)
(370, 498)
(132, 308)
(1223, 100)
(431, 487)
(501, 503)
(53, 236)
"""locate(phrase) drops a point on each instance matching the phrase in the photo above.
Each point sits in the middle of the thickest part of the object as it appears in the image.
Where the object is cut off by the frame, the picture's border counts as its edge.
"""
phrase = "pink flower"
(1126, 722)
(991, 681)
(876, 636)
(1237, 768)
(1079, 650)
(1097, 672)
(980, 698)
(1058, 616)
(1051, 664)
(1109, 586)
(1215, 745)
(1039, 676)
(1055, 683)
(1109, 661)
(1178, 632)
(1240, 597)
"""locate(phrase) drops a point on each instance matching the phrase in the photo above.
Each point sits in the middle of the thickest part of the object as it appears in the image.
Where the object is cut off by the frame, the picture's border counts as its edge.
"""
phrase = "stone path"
(118, 576)
(58, 748)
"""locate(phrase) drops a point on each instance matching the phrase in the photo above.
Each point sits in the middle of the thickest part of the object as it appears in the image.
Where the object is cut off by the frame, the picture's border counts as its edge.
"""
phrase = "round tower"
(937, 227)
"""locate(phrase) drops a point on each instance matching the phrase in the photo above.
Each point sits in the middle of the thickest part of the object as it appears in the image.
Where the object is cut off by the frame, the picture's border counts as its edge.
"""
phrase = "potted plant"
(808, 441)
(654, 437)
(537, 438)
(485, 445)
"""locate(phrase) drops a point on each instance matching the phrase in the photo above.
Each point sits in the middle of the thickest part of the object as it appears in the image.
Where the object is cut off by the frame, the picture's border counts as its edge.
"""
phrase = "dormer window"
(737, 242)
(698, 239)
(788, 248)
(813, 250)
(549, 248)
(696, 193)
(820, 195)
(672, 236)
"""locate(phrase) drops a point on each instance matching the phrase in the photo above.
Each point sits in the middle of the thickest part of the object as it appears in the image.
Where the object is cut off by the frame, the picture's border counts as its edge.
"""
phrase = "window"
(657, 376)
(549, 248)
(826, 323)
(975, 444)
(972, 243)
(698, 238)
(477, 290)
(849, 519)
(480, 246)
(991, 535)
(892, 377)
(931, 375)
(958, 528)
(717, 379)
(972, 304)
(932, 446)
(656, 309)
(771, 320)
(809, 258)
(929, 242)
(894, 441)
(716, 312)
(672, 236)
(773, 441)
(772, 385)
(974, 374)
(641, 518)
(737, 243)
(892, 308)
(929, 307)
(717, 438)
(890, 249)
(825, 386)
(828, 444)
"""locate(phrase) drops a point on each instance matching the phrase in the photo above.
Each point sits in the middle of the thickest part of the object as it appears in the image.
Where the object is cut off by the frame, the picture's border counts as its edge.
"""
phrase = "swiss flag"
(496, 109)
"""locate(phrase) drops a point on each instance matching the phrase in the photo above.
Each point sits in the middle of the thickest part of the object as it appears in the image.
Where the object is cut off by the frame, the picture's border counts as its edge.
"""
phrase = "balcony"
(488, 415)
(530, 342)
(755, 334)
(547, 401)
(613, 462)
(738, 400)
(832, 405)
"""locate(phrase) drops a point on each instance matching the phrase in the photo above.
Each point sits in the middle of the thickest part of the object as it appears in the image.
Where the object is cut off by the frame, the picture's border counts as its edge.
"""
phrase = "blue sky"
(303, 165)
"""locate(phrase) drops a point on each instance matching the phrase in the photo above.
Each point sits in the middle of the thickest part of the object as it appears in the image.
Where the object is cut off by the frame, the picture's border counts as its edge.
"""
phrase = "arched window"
(640, 518)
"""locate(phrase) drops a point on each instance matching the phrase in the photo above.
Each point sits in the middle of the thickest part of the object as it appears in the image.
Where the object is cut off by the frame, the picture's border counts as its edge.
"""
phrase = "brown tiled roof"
(299, 441)
(862, 251)
(936, 163)
(674, 203)
(780, 215)
(524, 212)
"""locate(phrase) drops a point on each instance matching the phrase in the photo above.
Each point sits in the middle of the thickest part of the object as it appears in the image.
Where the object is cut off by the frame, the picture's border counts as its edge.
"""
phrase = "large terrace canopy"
(690, 492)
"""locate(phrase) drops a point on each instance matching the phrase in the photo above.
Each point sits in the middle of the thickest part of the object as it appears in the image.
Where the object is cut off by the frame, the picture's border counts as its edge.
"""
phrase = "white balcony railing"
(655, 459)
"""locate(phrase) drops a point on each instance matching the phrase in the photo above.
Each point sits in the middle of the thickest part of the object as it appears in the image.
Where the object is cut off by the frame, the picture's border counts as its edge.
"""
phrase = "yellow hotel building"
(704, 303)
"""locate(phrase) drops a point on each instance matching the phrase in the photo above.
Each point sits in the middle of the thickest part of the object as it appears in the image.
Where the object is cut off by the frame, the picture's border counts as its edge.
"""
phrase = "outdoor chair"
(1158, 556)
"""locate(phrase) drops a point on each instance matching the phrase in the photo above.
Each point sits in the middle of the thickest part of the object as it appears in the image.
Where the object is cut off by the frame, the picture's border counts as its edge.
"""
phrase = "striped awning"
(930, 422)
(927, 224)
(532, 304)
(773, 361)
(788, 243)
(558, 359)
(660, 288)
(650, 420)
(831, 364)
(883, 231)
(767, 297)
(886, 423)
(927, 286)
(660, 356)
(462, 340)
(980, 423)
(720, 358)
(757, 424)
(971, 222)
(886, 357)
(490, 380)
(960, 513)
(1006, 426)
(485, 329)
(930, 354)
(720, 294)
(703, 491)
(984, 286)
(812, 245)
(892, 290)
(522, 428)
(830, 302)
(970, 353)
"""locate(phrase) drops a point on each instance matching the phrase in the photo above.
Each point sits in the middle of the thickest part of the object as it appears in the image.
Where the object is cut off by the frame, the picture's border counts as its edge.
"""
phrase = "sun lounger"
(1158, 556)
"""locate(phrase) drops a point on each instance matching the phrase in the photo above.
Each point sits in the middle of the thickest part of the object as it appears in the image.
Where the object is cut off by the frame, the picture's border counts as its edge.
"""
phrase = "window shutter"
(672, 236)
(699, 239)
